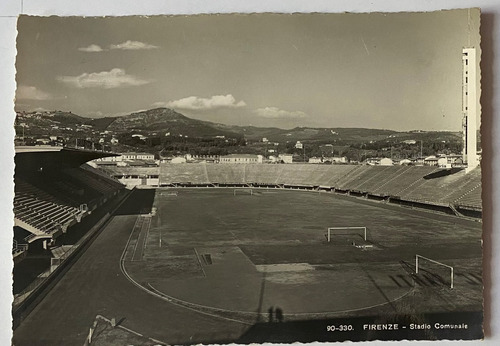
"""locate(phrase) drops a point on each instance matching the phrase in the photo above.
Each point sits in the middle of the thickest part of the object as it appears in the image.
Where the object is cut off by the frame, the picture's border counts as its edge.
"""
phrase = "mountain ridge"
(169, 122)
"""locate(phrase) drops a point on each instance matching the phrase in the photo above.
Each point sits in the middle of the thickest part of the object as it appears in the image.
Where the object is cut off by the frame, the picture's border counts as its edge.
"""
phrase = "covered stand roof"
(47, 158)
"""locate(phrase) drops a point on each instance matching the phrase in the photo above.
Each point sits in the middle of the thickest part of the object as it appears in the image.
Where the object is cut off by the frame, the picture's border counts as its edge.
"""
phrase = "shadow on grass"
(139, 202)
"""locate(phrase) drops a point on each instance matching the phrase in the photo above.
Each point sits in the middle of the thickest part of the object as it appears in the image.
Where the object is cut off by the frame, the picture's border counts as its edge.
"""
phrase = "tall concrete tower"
(469, 107)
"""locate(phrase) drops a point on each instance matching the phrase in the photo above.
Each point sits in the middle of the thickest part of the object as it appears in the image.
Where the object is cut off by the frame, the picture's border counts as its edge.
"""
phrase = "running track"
(95, 285)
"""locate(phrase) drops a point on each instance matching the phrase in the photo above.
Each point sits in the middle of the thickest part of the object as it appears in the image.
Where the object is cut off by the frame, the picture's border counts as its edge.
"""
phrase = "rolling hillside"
(163, 122)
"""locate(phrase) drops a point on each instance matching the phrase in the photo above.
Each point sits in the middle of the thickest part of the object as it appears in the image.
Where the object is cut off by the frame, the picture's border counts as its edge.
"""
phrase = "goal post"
(419, 258)
(243, 191)
(332, 230)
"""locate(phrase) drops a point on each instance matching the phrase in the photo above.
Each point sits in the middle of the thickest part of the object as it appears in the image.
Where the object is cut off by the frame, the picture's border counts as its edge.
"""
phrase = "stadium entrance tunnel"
(470, 212)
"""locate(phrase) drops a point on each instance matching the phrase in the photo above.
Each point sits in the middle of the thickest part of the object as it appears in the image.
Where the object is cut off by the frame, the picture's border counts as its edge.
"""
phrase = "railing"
(29, 237)
(19, 298)
(19, 248)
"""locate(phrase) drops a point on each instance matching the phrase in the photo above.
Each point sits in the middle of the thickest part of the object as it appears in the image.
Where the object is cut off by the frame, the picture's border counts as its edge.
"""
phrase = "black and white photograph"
(248, 178)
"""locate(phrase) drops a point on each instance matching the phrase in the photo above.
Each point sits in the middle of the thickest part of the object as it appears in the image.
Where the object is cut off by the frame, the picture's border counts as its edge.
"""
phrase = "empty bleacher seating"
(412, 183)
(471, 198)
(41, 213)
(183, 173)
(47, 204)
(225, 173)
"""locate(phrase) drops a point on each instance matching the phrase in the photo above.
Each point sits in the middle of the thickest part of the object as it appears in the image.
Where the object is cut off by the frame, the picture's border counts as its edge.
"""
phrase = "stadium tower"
(469, 108)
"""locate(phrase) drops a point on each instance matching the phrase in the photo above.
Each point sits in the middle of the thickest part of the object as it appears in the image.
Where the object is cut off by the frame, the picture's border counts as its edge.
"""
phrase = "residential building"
(241, 158)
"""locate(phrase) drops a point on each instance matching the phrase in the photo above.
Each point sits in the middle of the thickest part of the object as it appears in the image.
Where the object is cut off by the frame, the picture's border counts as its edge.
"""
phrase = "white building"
(206, 158)
(336, 159)
(137, 156)
(127, 157)
(443, 162)
(109, 159)
(454, 159)
(385, 162)
(286, 158)
(382, 161)
(315, 159)
(179, 159)
(138, 135)
(241, 158)
(271, 159)
(410, 142)
(431, 161)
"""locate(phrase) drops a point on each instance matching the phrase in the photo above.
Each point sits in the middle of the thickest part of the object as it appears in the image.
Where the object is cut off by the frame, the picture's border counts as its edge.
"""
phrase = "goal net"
(353, 232)
(242, 192)
(433, 272)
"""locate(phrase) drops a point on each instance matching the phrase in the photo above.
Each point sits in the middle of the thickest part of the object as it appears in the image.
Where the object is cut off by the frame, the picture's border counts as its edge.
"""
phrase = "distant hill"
(160, 122)
(316, 134)
(164, 120)
(64, 118)
(101, 123)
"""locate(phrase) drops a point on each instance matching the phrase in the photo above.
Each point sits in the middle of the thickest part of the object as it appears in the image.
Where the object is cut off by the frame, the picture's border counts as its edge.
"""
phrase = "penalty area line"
(129, 278)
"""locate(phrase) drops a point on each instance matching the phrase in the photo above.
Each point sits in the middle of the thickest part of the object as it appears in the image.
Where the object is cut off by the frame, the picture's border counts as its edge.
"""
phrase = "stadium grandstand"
(58, 198)
(70, 215)
(419, 186)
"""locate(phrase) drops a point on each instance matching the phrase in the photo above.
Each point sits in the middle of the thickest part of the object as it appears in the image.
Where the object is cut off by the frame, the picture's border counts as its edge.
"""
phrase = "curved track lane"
(96, 285)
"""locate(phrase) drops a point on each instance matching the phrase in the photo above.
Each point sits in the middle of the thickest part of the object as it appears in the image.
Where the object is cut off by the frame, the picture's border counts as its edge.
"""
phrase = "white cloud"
(132, 45)
(276, 113)
(199, 103)
(93, 48)
(116, 78)
(25, 92)
(159, 104)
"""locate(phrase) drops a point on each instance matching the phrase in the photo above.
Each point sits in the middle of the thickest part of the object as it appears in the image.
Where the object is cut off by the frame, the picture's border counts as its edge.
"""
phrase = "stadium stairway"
(391, 181)
(471, 198)
(417, 181)
(344, 182)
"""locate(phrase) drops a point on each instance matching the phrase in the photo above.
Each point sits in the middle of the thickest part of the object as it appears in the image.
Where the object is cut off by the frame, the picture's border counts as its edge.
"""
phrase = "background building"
(241, 158)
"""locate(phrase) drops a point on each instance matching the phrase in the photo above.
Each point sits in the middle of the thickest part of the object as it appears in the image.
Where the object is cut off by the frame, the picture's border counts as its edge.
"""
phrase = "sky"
(400, 71)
